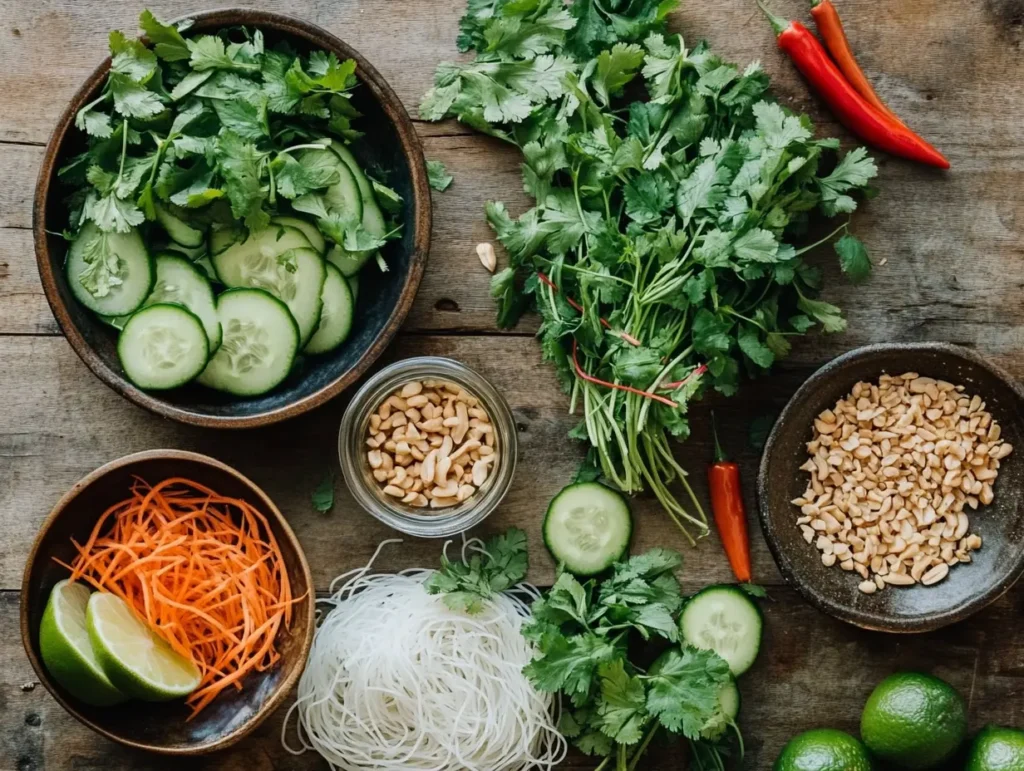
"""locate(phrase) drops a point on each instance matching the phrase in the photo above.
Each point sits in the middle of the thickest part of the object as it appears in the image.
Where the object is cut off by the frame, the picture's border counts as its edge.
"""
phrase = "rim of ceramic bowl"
(863, 619)
(422, 215)
(284, 688)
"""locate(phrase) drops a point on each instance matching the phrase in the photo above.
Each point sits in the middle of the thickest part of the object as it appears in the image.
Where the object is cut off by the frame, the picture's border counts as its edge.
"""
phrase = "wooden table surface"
(949, 249)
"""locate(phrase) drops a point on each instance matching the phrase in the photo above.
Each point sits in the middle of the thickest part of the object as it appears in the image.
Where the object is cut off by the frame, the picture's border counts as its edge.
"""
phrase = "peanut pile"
(431, 444)
(893, 468)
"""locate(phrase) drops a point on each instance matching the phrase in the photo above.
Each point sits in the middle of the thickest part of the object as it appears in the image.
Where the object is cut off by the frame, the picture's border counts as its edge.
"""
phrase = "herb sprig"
(667, 248)
(208, 126)
(587, 636)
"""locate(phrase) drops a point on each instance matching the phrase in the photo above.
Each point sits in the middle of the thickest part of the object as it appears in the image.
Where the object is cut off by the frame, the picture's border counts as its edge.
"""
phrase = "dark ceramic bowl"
(969, 587)
(384, 300)
(162, 727)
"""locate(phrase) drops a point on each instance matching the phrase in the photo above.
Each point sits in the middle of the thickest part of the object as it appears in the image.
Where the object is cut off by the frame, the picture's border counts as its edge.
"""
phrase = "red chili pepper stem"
(720, 456)
(778, 23)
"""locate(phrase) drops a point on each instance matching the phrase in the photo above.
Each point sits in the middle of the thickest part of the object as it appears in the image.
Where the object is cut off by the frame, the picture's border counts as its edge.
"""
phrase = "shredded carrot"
(202, 569)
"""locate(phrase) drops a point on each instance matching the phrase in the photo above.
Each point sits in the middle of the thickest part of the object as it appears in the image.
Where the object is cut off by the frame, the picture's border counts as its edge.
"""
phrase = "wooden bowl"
(162, 727)
(385, 298)
(969, 587)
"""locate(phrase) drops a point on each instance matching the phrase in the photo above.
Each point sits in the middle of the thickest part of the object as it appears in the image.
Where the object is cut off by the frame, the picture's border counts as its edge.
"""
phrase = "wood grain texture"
(949, 250)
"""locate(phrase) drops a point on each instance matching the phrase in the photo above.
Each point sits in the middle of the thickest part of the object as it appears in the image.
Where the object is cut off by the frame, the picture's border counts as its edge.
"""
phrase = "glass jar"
(355, 466)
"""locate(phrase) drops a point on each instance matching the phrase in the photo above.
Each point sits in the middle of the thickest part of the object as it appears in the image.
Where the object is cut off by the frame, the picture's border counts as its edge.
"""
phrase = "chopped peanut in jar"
(894, 468)
(430, 444)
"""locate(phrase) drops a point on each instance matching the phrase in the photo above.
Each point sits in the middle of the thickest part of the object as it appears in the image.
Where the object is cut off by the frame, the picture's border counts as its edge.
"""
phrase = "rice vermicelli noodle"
(397, 680)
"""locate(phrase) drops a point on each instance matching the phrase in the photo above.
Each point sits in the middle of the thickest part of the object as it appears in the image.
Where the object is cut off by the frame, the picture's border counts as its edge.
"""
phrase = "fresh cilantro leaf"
(295, 179)
(209, 52)
(499, 564)
(131, 58)
(853, 172)
(637, 366)
(853, 257)
(616, 67)
(646, 199)
(711, 333)
(92, 121)
(754, 590)
(570, 664)
(438, 176)
(749, 341)
(703, 189)
(104, 268)
(684, 692)
(113, 214)
(241, 165)
(389, 199)
(323, 495)
(131, 99)
(167, 41)
(826, 314)
(622, 707)
(243, 118)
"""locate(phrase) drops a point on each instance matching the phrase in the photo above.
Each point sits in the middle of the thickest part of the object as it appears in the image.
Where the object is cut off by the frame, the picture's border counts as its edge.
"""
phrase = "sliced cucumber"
(223, 236)
(261, 340)
(295, 276)
(353, 285)
(343, 197)
(180, 282)
(179, 230)
(725, 620)
(336, 317)
(269, 243)
(193, 253)
(373, 217)
(587, 528)
(205, 266)
(307, 228)
(349, 263)
(163, 346)
(123, 256)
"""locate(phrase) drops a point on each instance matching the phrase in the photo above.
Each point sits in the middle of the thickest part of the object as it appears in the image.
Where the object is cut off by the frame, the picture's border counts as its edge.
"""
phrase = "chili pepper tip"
(778, 23)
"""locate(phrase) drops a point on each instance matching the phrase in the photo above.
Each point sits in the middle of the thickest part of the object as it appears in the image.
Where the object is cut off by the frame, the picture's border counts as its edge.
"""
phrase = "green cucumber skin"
(553, 549)
(741, 595)
(184, 380)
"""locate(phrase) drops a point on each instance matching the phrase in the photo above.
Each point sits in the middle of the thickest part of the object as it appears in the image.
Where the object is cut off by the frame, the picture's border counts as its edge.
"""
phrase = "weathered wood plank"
(813, 671)
(59, 422)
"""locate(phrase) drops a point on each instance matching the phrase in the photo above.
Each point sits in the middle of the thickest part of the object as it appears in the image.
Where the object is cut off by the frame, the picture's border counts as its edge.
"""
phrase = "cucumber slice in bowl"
(336, 317)
(180, 282)
(725, 620)
(179, 230)
(587, 528)
(295, 276)
(109, 273)
(308, 229)
(163, 346)
(261, 340)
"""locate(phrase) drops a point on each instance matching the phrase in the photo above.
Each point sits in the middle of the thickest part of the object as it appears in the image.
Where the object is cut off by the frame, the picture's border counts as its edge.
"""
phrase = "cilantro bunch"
(673, 201)
(587, 635)
(206, 126)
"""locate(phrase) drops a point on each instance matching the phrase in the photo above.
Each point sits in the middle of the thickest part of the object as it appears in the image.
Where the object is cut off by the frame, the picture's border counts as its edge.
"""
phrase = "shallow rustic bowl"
(162, 727)
(969, 587)
(384, 299)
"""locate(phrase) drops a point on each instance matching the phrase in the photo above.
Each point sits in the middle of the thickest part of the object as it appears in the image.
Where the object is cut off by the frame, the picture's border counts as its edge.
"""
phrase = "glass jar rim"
(352, 449)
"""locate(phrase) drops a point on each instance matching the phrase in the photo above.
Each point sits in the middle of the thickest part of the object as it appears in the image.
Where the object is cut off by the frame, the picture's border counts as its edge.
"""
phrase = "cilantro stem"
(643, 747)
(826, 239)
(124, 150)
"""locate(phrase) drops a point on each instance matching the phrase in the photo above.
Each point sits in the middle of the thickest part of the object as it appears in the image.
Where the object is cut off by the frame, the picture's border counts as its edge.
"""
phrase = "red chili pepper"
(831, 28)
(855, 112)
(727, 507)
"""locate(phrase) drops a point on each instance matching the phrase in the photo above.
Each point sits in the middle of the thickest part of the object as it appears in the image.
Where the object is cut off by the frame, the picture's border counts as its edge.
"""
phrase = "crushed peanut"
(893, 468)
(431, 443)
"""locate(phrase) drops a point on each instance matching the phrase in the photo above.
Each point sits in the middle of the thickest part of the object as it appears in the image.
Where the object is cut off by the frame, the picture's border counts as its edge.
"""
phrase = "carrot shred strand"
(202, 569)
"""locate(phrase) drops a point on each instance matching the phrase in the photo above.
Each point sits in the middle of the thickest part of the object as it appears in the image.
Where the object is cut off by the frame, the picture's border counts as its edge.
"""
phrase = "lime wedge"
(134, 657)
(66, 650)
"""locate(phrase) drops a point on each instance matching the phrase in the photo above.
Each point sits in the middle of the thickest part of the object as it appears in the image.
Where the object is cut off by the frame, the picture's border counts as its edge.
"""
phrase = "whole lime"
(823, 749)
(913, 720)
(997, 749)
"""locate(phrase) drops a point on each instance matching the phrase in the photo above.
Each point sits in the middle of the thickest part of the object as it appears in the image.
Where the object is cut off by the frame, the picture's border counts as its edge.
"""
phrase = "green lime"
(997, 749)
(66, 650)
(134, 657)
(913, 720)
(823, 749)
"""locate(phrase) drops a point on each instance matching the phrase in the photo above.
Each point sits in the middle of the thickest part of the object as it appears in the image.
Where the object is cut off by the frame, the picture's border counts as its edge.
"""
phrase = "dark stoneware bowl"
(162, 727)
(390, 145)
(969, 587)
